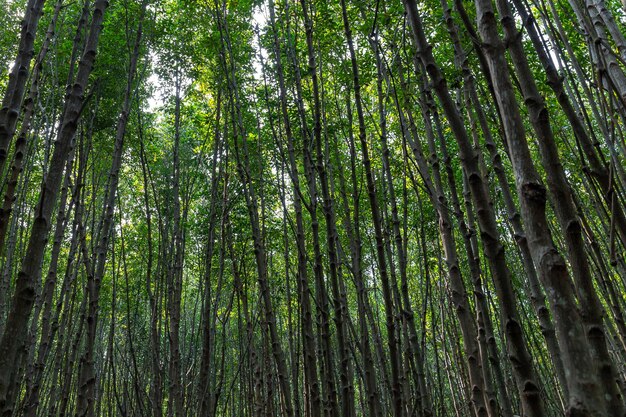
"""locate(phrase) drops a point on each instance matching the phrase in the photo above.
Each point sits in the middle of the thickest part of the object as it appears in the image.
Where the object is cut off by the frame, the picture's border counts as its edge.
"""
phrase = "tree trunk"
(14, 336)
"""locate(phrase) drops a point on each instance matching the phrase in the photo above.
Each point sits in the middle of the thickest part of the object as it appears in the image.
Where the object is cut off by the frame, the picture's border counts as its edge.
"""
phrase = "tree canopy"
(313, 208)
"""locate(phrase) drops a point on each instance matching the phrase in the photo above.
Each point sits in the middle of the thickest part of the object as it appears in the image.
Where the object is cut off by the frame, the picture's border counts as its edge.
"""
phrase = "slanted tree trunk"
(18, 78)
(565, 211)
(13, 339)
(551, 266)
(352, 227)
(312, 139)
(252, 203)
(517, 349)
(399, 409)
(87, 377)
(21, 141)
(458, 294)
(174, 270)
(313, 397)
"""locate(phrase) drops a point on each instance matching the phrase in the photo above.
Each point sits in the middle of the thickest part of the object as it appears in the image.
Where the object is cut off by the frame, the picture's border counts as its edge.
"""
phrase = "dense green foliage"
(268, 209)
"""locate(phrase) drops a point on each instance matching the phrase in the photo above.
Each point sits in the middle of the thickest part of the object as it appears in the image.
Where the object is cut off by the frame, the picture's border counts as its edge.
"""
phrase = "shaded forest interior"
(313, 208)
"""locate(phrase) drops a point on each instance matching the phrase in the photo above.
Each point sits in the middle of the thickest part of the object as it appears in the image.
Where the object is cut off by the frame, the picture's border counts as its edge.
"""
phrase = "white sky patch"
(553, 52)
(155, 85)
(156, 98)
(556, 59)
(260, 18)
